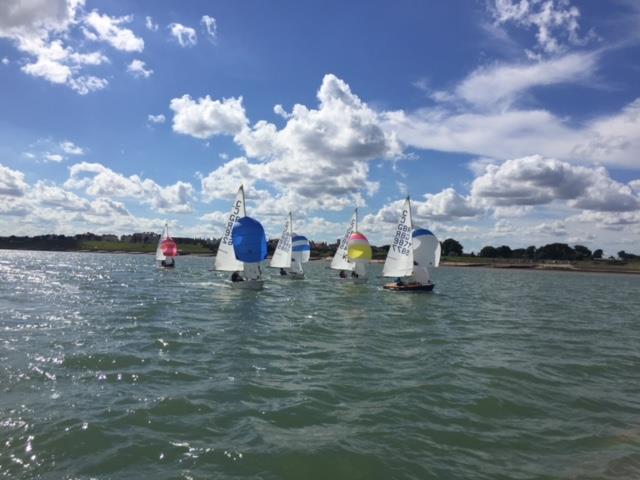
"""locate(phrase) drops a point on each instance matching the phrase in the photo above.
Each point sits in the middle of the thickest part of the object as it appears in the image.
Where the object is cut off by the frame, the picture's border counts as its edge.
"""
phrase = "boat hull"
(408, 287)
(248, 284)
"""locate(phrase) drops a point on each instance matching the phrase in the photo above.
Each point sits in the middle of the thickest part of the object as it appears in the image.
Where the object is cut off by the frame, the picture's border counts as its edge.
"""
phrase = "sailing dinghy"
(359, 253)
(300, 253)
(250, 247)
(410, 254)
(341, 259)
(167, 249)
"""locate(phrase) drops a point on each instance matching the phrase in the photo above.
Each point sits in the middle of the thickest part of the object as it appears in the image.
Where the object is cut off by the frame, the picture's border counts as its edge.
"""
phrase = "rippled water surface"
(111, 368)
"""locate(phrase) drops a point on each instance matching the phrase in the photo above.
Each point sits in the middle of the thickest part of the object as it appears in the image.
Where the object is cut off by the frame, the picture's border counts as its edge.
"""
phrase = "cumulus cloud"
(54, 196)
(12, 182)
(40, 29)
(204, 118)
(100, 181)
(108, 29)
(186, 36)
(138, 69)
(446, 205)
(210, 26)
(536, 180)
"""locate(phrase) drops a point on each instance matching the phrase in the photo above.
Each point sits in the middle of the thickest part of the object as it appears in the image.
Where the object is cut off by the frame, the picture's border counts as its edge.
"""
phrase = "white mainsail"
(340, 259)
(165, 233)
(282, 255)
(226, 257)
(399, 261)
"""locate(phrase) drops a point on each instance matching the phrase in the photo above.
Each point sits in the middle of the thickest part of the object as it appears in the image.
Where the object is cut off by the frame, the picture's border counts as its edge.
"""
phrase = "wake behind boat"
(410, 254)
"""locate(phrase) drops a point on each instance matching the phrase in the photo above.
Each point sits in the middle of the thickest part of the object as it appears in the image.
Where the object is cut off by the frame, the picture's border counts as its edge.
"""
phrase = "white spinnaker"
(426, 248)
(282, 255)
(226, 258)
(340, 260)
(399, 261)
(301, 253)
(165, 233)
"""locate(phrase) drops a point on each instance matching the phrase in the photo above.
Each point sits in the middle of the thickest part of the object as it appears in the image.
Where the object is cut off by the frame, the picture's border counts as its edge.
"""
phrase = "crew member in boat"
(167, 263)
(236, 277)
(354, 275)
(283, 272)
(342, 274)
(399, 282)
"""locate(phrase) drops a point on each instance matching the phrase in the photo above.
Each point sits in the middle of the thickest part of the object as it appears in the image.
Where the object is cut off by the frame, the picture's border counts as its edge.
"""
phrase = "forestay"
(399, 261)
(340, 259)
(226, 258)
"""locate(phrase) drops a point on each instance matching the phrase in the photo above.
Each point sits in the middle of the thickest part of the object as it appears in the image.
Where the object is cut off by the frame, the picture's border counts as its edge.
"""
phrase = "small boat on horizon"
(167, 249)
(410, 254)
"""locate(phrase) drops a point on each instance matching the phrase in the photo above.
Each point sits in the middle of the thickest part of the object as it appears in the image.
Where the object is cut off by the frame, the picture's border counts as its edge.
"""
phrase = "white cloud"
(186, 36)
(5, 61)
(554, 22)
(53, 196)
(150, 24)
(536, 180)
(204, 118)
(280, 111)
(40, 29)
(446, 205)
(499, 85)
(87, 84)
(12, 182)
(138, 69)
(53, 157)
(110, 30)
(210, 25)
(100, 181)
(71, 148)
(160, 118)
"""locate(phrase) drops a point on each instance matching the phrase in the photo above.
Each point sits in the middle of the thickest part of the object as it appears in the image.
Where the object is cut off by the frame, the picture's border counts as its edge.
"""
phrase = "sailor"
(343, 274)
(399, 282)
(283, 272)
(235, 277)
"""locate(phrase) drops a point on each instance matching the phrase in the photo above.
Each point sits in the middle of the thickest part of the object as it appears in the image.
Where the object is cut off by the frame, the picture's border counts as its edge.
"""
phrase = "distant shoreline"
(583, 266)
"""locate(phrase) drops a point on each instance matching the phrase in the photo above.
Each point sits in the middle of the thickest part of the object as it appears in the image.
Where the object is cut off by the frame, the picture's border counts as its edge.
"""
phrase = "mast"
(356, 225)
(410, 216)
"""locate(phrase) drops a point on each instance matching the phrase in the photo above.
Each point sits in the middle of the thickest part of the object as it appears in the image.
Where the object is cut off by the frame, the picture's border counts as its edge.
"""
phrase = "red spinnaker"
(169, 248)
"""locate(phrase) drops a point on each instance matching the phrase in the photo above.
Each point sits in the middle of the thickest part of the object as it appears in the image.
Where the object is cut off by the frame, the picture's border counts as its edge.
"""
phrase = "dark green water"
(110, 368)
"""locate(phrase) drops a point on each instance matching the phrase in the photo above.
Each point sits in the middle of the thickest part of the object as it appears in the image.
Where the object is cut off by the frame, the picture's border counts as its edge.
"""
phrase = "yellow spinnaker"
(358, 247)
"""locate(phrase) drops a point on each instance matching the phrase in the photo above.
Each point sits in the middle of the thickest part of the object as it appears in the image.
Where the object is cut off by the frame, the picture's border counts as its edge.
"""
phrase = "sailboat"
(341, 259)
(359, 253)
(301, 252)
(410, 254)
(291, 252)
(250, 247)
(226, 258)
(167, 249)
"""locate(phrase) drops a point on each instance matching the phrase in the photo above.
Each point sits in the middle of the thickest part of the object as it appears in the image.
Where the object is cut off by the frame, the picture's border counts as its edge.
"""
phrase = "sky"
(510, 122)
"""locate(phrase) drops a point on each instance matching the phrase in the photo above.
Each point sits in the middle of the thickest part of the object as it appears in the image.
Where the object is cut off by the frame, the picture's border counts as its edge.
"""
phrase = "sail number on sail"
(232, 219)
(401, 242)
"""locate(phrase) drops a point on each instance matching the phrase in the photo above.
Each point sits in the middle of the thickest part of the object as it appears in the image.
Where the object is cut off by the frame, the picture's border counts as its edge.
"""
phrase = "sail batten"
(225, 257)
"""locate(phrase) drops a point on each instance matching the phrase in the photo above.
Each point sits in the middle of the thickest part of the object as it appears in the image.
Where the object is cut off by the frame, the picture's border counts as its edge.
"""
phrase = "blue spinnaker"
(249, 240)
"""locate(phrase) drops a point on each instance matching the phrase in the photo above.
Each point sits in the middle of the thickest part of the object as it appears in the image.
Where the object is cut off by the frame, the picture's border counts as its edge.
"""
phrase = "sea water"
(113, 369)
